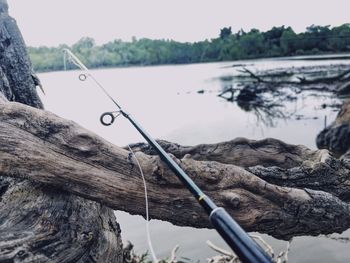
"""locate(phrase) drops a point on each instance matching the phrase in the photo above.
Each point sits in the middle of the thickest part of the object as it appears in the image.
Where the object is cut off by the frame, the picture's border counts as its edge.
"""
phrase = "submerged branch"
(343, 76)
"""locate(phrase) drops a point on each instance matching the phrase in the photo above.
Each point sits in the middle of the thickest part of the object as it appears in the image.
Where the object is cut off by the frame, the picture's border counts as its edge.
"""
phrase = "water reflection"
(265, 112)
(269, 99)
(267, 107)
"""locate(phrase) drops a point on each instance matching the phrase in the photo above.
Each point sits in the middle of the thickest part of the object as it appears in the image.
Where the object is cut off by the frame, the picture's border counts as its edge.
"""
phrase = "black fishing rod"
(240, 242)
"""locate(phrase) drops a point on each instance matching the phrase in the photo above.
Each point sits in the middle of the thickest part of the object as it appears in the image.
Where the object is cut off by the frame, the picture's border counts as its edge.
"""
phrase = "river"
(166, 102)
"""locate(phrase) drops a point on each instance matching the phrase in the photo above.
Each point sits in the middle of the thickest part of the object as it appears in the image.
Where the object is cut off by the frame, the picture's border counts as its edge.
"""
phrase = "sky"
(53, 22)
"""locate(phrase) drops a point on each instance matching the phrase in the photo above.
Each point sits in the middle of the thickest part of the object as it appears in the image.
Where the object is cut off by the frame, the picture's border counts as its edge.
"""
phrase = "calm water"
(165, 100)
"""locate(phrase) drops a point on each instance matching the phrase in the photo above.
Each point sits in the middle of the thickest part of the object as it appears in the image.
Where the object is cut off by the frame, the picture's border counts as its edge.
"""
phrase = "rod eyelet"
(82, 77)
(110, 116)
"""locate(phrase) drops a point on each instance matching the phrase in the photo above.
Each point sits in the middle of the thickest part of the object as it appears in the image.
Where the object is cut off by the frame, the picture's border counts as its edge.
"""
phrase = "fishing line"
(149, 240)
(83, 77)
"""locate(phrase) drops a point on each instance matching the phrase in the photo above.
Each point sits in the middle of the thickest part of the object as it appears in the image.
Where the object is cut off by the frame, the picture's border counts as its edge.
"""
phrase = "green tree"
(278, 41)
(225, 32)
(288, 41)
(340, 38)
(252, 44)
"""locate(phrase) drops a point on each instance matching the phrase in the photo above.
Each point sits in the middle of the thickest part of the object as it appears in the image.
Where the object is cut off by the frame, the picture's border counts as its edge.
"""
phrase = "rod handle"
(240, 242)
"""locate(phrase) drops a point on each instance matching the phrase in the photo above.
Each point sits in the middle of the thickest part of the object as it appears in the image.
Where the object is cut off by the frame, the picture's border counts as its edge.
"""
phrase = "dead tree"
(40, 223)
(277, 83)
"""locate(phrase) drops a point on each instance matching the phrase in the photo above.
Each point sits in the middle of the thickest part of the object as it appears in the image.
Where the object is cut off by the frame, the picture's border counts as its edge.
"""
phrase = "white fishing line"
(149, 240)
(76, 61)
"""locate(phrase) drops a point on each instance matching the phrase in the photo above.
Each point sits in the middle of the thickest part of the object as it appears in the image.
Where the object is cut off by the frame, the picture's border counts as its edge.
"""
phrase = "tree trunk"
(40, 223)
(336, 137)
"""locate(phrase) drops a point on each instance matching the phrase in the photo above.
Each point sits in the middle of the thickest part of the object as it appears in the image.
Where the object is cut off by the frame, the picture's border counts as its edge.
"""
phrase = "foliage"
(225, 32)
(278, 41)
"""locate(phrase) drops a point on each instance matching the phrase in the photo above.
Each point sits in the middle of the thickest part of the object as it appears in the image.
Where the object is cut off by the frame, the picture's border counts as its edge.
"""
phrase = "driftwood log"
(263, 92)
(59, 182)
(268, 186)
(343, 76)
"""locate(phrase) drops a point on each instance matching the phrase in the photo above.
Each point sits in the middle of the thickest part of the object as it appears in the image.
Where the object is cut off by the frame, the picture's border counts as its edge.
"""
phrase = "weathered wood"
(336, 137)
(44, 224)
(343, 89)
(343, 76)
(37, 223)
(240, 151)
(73, 159)
(272, 160)
(17, 83)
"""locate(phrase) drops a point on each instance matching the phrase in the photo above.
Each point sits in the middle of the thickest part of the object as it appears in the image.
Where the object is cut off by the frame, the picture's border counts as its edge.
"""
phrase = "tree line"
(276, 42)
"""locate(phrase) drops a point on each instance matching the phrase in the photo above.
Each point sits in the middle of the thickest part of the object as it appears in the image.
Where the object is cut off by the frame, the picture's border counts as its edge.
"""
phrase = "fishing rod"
(239, 241)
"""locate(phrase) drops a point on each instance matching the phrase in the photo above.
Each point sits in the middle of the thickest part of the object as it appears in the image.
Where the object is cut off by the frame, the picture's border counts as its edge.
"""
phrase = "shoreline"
(338, 56)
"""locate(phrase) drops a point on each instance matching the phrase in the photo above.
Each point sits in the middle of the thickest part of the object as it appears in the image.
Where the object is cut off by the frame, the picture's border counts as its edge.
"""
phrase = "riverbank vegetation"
(276, 42)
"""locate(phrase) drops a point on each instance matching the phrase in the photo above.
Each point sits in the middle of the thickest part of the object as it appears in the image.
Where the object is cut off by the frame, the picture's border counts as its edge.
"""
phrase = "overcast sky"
(51, 22)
